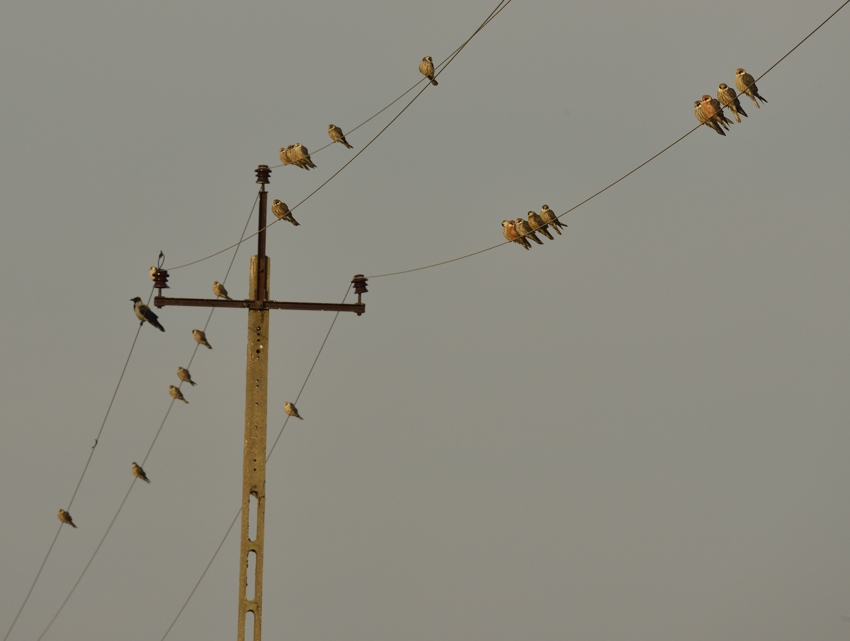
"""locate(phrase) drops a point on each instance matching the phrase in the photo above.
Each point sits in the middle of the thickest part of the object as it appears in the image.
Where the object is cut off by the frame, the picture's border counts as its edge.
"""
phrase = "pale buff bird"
(280, 210)
(337, 136)
(711, 108)
(550, 218)
(728, 98)
(747, 84)
(426, 68)
(201, 337)
(220, 291)
(176, 394)
(139, 473)
(536, 223)
(65, 517)
(184, 375)
(705, 120)
(290, 409)
(510, 233)
(301, 156)
(525, 230)
(153, 272)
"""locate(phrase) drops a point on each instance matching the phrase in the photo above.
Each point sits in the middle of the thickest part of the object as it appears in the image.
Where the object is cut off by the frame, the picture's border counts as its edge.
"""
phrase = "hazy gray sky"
(638, 431)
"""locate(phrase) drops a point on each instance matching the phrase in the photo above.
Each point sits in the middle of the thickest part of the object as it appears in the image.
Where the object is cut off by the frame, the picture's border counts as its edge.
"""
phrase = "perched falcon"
(144, 313)
(153, 272)
(65, 517)
(220, 291)
(336, 135)
(201, 337)
(712, 109)
(509, 231)
(426, 68)
(184, 375)
(525, 230)
(537, 224)
(301, 156)
(728, 98)
(176, 394)
(747, 84)
(139, 473)
(550, 218)
(290, 409)
(280, 210)
(705, 120)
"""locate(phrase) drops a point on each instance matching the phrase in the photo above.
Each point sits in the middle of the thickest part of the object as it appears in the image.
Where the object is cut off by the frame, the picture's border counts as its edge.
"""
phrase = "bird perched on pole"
(139, 473)
(705, 120)
(536, 223)
(153, 272)
(426, 68)
(143, 313)
(510, 233)
(728, 98)
(290, 409)
(550, 218)
(176, 394)
(525, 230)
(184, 375)
(201, 337)
(337, 136)
(280, 210)
(712, 109)
(220, 291)
(65, 517)
(747, 84)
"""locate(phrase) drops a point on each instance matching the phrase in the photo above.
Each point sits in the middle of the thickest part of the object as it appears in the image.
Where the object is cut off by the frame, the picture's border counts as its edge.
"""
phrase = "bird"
(201, 337)
(705, 120)
(280, 210)
(184, 375)
(550, 218)
(728, 98)
(220, 291)
(426, 68)
(139, 473)
(337, 136)
(537, 224)
(290, 409)
(509, 231)
(153, 272)
(525, 230)
(65, 517)
(143, 313)
(712, 109)
(176, 394)
(301, 156)
(747, 84)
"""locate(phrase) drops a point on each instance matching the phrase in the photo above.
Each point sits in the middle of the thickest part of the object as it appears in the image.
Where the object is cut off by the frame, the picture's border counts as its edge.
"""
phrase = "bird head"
(136, 300)
(722, 86)
(739, 71)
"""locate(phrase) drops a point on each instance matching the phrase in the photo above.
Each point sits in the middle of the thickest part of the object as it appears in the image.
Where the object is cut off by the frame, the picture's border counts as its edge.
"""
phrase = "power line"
(268, 456)
(621, 178)
(502, 4)
(144, 460)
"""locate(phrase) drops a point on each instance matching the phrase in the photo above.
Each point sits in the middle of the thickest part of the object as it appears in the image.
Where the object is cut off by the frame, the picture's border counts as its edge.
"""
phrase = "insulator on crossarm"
(160, 279)
(359, 285)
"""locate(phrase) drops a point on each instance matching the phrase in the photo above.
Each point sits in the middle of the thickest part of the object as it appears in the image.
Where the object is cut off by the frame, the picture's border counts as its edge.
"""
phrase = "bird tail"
(228, 298)
(555, 227)
(760, 97)
(546, 233)
(192, 383)
(345, 142)
(146, 479)
(433, 80)
(156, 324)
(739, 110)
(208, 345)
(71, 523)
(184, 400)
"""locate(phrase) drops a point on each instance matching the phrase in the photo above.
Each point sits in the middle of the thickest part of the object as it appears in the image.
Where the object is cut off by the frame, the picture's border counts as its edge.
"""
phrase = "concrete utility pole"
(256, 397)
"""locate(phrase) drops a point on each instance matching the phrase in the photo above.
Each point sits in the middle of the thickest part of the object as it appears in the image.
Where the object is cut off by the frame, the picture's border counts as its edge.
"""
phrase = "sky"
(637, 431)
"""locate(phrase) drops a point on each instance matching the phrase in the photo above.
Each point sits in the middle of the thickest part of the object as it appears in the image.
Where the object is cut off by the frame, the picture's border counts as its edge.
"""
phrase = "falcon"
(525, 230)
(728, 98)
(705, 120)
(290, 409)
(712, 109)
(139, 473)
(220, 291)
(747, 84)
(280, 210)
(184, 375)
(144, 313)
(537, 224)
(550, 218)
(176, 394)
(65, 517)
(201, 337)
(509, 232)
(336, 135)
(426, 68)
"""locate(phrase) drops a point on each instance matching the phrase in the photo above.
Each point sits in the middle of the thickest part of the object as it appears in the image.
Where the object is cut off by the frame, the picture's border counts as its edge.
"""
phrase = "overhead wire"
(150, 449)
(621, 178)
(268, 457)
(439, 69)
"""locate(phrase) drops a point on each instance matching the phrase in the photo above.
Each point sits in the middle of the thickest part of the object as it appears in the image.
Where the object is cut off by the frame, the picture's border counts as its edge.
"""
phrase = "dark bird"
(144, 313)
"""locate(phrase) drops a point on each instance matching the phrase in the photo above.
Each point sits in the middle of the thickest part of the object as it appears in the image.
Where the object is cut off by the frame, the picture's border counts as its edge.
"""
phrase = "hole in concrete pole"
(252, 577)
(252, 517)
(249, 625)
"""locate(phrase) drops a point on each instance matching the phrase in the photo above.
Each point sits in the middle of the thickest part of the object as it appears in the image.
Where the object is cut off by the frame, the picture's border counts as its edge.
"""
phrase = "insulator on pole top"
(263, 172)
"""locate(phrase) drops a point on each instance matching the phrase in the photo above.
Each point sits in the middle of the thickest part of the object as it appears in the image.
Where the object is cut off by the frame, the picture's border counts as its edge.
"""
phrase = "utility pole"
(256, 402)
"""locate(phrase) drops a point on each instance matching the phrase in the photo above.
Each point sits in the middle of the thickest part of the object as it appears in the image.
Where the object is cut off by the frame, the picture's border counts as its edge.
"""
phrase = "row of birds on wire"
(709, 111)
(298, 154)
(521, 231)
